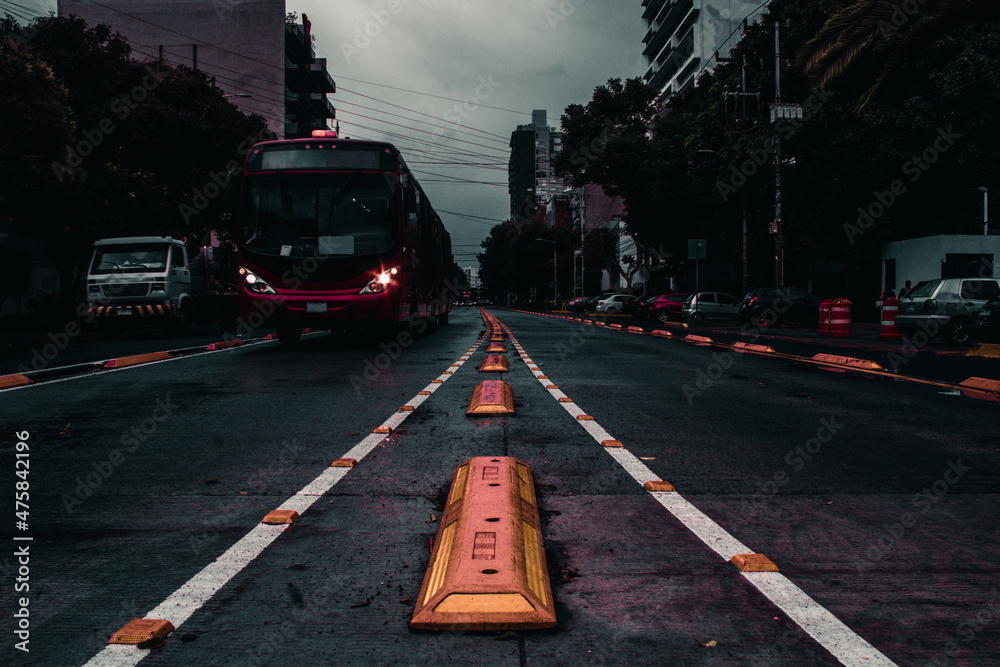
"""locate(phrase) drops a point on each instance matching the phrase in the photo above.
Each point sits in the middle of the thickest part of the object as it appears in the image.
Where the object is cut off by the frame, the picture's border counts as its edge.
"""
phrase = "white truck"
(148, 281)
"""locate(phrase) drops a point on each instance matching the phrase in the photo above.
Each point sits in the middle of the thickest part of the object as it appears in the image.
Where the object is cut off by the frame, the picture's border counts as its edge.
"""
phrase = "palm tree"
(912, 25)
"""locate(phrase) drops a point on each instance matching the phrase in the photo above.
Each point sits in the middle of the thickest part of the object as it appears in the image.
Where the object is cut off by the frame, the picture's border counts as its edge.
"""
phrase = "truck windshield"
(134, 258)
(297, 215)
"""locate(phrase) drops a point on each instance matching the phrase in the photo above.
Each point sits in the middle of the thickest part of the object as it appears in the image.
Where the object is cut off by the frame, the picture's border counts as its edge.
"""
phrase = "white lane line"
(829, 631)
(192, 595)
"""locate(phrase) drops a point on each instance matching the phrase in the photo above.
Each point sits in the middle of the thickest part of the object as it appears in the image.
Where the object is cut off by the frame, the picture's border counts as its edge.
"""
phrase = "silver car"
(710, 306)
(945, 306)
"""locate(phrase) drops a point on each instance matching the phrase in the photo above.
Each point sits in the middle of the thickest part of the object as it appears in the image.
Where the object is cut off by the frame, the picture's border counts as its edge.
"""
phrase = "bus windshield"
(292, 214)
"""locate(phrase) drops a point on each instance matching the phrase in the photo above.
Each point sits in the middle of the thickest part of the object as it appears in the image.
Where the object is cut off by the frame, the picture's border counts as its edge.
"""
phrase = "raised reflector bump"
(14, 381)
(495, 347)
(659, 485)
(494, 363)
(487, 570)
(382, 429)
(137, 359)
(226, 344)
(281, 516)
(611, 443)
(753, 563)
(344, 463)
(491, 397)
(140, 630)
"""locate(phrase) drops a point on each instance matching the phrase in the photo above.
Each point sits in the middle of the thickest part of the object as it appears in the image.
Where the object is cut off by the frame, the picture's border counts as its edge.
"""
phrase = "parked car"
(642, 306)
(770, 306)
(987, 325)
(667, 307)
(613, 303)
(710, 306)
(946, 305)
(580, 304)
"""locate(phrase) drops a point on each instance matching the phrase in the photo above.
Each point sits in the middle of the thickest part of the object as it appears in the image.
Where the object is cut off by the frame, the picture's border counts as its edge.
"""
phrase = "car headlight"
(381, 282)
(254, 283)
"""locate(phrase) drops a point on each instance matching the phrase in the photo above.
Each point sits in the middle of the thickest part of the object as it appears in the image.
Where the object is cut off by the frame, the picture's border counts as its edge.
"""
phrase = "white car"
(614, 303)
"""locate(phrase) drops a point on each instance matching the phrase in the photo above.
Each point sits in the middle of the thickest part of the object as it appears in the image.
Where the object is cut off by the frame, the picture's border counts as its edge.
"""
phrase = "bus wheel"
(443, 319)
(289, 334)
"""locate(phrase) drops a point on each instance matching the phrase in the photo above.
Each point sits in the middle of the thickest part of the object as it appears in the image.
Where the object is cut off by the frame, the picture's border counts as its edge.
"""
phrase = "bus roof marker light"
(332, 134)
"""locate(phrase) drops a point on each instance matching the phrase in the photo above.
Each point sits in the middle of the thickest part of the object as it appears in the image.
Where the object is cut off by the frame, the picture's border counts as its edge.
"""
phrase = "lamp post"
(986, 211)
(555, 273)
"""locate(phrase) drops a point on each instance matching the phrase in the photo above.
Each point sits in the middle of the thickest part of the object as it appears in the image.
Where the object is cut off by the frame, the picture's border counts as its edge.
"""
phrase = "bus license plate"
(316, 307)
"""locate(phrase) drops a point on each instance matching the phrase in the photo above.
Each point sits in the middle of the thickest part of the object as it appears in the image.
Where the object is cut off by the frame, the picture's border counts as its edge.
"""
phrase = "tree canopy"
(95, 144)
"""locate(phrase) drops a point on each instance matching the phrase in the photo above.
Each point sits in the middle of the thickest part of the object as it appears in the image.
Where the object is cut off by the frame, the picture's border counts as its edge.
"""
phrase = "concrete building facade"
(263, 63)
(943, 256)
(531, 178)
(685, 37)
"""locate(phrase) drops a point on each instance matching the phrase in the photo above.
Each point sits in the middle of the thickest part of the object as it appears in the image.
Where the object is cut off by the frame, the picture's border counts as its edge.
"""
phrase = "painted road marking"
(192, 595)
(829, 631)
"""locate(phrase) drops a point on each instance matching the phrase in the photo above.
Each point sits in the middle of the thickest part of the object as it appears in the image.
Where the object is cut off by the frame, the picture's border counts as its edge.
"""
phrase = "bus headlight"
(381, 282)
(254, 284)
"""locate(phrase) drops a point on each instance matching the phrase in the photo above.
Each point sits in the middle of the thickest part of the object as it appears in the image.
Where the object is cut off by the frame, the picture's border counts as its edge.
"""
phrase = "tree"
(96, 145)
(897, 31)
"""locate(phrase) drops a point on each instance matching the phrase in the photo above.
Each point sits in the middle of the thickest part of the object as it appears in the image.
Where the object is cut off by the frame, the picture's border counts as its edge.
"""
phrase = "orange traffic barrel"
(890, 308)
(824, 317)
(840, 318)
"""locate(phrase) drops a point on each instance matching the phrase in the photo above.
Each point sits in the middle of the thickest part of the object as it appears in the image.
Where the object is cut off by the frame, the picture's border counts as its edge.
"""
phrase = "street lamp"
(986, 211)
(555, 273)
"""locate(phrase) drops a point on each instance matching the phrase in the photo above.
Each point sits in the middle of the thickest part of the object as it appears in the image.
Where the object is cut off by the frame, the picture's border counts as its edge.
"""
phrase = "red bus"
(337, 233)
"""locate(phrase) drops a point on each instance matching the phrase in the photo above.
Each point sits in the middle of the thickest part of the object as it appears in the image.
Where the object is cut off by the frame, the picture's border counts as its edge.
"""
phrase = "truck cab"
(139, 280)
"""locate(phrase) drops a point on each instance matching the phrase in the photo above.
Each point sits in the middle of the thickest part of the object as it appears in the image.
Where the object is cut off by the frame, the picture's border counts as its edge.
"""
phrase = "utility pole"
(779, 251)
(742, 99)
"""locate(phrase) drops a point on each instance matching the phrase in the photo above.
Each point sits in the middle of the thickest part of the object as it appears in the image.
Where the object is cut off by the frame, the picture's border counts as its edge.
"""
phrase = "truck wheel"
(956, 333)
(289, 334)
(177, 326)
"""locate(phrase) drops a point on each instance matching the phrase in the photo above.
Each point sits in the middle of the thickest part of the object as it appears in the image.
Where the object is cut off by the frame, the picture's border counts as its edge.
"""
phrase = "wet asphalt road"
(878, 498)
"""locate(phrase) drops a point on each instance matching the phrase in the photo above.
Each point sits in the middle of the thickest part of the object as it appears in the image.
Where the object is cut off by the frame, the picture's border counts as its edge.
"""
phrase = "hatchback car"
(613, 303)
(770, 306)
(710, 306)
(987, 326)
(667, 307)
(946, 305)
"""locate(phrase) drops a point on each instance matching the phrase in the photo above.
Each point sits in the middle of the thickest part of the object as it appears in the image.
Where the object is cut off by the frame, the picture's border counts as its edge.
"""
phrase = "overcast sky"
(497, 60)
(515, 55)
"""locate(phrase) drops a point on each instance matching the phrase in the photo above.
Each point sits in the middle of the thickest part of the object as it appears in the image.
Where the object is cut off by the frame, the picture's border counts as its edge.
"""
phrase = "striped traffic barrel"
(840, 318)
(890, 307)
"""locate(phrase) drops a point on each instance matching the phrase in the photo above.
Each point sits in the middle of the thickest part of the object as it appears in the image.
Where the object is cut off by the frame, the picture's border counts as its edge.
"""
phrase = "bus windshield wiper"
(336, 201)
(286, 194)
